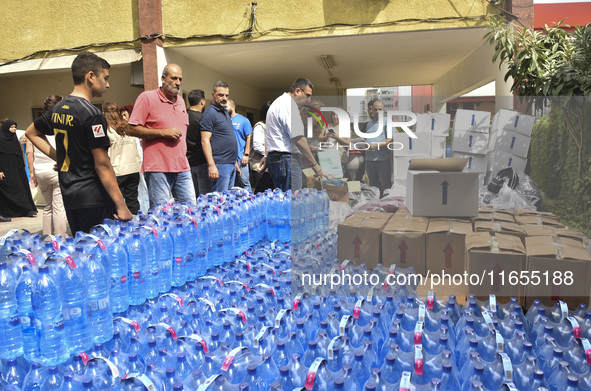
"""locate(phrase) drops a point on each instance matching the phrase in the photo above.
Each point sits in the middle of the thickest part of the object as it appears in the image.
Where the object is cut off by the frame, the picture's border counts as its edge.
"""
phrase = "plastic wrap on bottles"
(529, 190)
(510, 199)
(338, 213)
(526, 189)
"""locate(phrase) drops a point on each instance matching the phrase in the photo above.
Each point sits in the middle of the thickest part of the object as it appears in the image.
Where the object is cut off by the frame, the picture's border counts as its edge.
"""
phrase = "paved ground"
(31, 224)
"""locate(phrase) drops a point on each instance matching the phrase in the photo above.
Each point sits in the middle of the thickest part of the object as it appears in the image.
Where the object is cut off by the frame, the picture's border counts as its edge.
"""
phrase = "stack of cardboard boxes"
(510, 138)
(471, 138)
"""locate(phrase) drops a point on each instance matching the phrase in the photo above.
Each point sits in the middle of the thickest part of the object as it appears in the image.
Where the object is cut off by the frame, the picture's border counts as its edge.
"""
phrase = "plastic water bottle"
(119, 281)
(136, 269)
(179, 252)
(70, 277)
(10, 330)
(46, 298)
(229, 248)
(217, 237)
(165, 263)
(203, 234)
(24, 289)
(99, 311)
(191, 267)
(13, 373)
(152, 270)
(54, 380)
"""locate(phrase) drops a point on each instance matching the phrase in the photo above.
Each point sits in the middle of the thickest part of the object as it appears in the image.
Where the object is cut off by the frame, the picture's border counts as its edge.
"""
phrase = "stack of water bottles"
(208, 297)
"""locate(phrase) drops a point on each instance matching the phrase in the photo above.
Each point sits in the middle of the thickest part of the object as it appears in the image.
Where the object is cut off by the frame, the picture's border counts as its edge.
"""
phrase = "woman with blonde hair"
(124, 156)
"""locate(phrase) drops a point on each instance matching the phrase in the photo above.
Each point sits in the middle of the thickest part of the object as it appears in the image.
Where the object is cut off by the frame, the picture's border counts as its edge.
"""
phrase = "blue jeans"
(161, 185)
(225, 181)
(285, 170)
(379, 174)
(243, 180)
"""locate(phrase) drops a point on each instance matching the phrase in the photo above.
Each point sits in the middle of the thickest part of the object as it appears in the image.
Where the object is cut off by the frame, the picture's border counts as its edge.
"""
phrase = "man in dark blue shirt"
(219, 143)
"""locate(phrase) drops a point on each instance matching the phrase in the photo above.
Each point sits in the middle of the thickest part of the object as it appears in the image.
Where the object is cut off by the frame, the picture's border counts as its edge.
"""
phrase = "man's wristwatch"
(246, 154)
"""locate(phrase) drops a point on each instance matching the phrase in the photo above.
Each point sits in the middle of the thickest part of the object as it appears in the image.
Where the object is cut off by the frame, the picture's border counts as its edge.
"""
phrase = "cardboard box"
(488, 213)
(469, 142)
(445, 245)
(435, 123)
(497, 253)
(437, 146)
(438, 188)
(403, 242)
(311, 180)
(407, 146)
(472, 121)
(513, 143)
(539, 220)
(338, 190)
(548, 255)
(360, 238)
(401, 164)
(502, 160)
(547, 230)
(476, 163)
(500, 227)
(513, 121)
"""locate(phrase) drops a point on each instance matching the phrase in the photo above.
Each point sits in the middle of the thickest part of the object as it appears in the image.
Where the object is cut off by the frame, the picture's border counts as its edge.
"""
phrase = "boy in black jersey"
(88, 183)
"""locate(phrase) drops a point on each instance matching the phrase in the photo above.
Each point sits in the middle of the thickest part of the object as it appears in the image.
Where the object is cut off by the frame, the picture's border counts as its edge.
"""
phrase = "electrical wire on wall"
(254, 30)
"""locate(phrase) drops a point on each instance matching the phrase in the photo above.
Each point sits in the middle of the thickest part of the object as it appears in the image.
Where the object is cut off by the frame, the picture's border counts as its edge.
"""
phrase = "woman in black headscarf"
(15, 193)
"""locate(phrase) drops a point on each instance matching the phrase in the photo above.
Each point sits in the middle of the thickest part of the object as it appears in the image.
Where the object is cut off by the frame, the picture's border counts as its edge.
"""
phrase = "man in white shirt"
(284, 137)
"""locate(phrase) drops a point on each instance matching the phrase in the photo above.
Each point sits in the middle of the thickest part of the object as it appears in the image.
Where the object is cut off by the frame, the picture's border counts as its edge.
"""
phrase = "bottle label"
(576, 327)
(419, 359)
(209, 304)
(29, 256)
(269, 266)
(144, 379)
(99, 242)
(370, 294)
(267, 287)
(492, 300)
(230, 358)
(511, 386)
(27, 322)
(171, 330)
(563, 309)
(344, 265)
(107, 229)
(296, 301)
(200, 340)
(98, 305)
(279, 317)
(259, 336)
(132, 323)
(236, 311)
(85, 358)
(357, 308)
(246, 263)
(488, 320)
(507, 367)
(430, 300)
(421, 312)
(54, 242)
(176, 297)
(9, 233)
(72, 313)
(418, 336)
(311, 376)
(208, 383)
(343, 324)
(112, 367)
(500, 342)
(392, 269)
(405, 381)
(14, 319)
(212, 278)
(331, 347)
(587, 347)
(70, 261)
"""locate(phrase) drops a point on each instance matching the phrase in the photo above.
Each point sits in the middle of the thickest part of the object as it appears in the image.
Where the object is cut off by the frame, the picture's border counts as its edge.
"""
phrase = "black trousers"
(128, 185)
(86, 218)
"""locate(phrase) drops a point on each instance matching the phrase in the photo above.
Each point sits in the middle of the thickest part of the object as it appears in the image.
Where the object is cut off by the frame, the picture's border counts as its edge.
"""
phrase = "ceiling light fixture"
(336, 82)
(326, 62)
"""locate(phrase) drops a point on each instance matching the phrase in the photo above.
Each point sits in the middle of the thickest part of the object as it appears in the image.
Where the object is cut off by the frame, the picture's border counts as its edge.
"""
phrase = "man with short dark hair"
(194, 149)
(243, 131)
(87, 180)
(160, 119)
(218, 141)
(285, 141)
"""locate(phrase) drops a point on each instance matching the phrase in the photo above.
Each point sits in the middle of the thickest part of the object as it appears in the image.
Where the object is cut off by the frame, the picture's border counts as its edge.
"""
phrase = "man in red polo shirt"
(160, 119)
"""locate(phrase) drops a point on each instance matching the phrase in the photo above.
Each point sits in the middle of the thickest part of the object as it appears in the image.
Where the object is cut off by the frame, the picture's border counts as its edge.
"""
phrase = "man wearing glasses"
(284, 138)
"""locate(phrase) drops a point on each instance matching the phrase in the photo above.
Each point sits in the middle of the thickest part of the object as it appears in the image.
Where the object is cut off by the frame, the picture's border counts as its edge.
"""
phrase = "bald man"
(160, 119)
